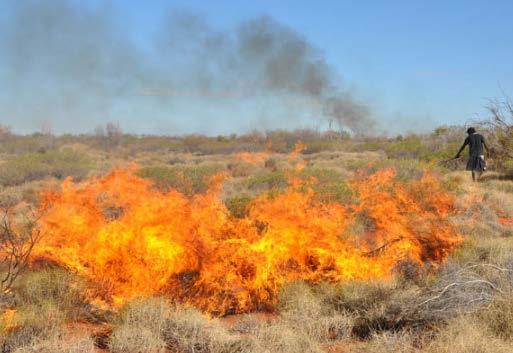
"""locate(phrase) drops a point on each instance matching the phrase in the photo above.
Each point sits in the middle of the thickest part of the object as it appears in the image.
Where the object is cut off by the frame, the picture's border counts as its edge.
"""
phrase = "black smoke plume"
(71, 64)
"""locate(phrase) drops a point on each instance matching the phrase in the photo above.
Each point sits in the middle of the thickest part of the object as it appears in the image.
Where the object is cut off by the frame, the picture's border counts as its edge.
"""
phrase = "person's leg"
(478, 175)
(473, 175)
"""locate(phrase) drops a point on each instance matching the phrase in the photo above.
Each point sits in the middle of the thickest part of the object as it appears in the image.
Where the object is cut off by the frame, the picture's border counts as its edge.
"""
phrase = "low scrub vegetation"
(462, 306)
(39, 165)
(188, 180)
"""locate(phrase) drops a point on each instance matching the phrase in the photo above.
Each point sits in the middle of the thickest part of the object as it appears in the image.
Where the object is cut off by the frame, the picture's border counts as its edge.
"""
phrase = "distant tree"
(47, 128)
(109, 136)
(46, 137)
(114, 134)
(113, 130)
(99, 131)
(500, 126)
(5, 132)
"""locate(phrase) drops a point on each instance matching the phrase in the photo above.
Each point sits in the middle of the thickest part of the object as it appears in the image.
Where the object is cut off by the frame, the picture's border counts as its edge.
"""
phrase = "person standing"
(476, 161)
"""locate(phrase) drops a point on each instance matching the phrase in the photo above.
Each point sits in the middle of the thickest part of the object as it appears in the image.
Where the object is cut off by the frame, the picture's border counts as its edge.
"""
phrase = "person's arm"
(462, 148)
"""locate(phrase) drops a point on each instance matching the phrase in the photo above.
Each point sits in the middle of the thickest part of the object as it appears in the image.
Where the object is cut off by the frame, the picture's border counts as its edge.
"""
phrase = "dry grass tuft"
(309, 312)
(281, 338)
(59, 344)
(56, 286)
(188, 331)
(153, 325)
(385, 342)
(498, 317)
(140, 327)
(33, 323)
(465, 335)
(45, 300)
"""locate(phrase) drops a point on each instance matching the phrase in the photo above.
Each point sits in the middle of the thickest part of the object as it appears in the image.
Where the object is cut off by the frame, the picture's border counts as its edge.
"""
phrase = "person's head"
(471, 130)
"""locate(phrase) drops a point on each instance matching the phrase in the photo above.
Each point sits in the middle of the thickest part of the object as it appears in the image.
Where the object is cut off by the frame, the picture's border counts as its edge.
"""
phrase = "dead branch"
(500, 128)
(382, 248)
(17, 240)
(465, 289)
(467, 283)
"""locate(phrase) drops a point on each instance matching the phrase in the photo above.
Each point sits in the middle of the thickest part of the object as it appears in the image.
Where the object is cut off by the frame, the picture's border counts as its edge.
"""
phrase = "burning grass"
(131, 239)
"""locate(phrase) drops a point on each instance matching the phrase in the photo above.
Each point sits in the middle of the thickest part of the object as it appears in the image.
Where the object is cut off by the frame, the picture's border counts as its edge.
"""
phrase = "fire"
(130, 239)
(298, 147)
(8, 320)
(505, 220)
(252, 157)
(260, 157)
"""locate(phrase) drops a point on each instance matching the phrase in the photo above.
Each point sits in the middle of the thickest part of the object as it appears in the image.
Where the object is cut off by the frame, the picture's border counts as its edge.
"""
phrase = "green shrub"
(409, 147)
(150, 143)
(240, 169)
(35, 166)
(268, 181)
(270, 163)
(329, 185)
(238, 206)
(188, 180)
(19, 144)
(322, 145)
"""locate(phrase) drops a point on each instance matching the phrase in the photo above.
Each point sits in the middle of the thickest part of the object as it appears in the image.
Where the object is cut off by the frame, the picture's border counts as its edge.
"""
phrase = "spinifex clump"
(132, 239)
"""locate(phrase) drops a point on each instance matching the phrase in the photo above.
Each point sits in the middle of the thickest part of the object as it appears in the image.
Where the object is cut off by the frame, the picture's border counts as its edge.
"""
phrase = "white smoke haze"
(72, 67)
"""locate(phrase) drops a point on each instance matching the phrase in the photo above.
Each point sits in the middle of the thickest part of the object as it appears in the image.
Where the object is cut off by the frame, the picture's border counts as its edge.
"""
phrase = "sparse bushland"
(111, 139)
(463, 306)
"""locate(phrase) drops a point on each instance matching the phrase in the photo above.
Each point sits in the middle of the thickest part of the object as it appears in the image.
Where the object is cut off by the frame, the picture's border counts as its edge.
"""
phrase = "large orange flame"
(131, 239)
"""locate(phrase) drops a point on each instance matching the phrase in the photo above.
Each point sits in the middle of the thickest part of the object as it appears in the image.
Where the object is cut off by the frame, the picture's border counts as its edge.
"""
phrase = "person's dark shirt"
(475, 144)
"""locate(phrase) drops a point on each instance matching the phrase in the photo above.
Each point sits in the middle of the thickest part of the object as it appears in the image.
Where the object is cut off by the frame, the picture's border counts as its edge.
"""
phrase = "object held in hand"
(482, 162)
(450, 159)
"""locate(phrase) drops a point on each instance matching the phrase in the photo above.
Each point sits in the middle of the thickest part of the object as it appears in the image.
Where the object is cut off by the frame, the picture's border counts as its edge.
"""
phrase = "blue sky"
(416, 64)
